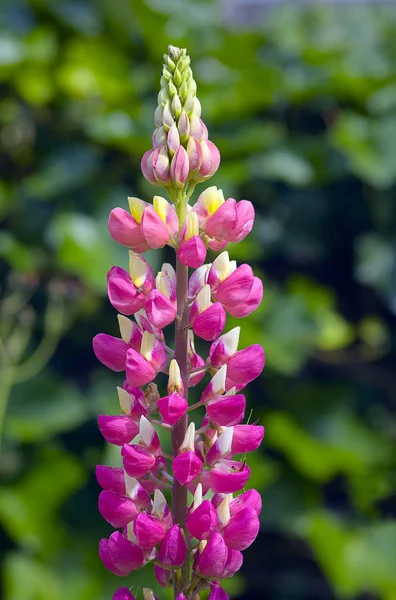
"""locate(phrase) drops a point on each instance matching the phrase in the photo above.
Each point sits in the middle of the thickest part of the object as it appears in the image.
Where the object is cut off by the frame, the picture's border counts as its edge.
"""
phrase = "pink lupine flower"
(172, 551)
(181, 156)
(111, 351)
(149, 531)
(251, 498)
(137, 461)
(123, 294)
(234, 562)
(192, 250)
(213, 558)
(228, 476)
(247, 438)
(126, 231)
(117, 510)
(117, 429)
(172, 408)
(242, 529)
(119, 555)
(202, 521)
(226, 410)
(244, 366)
(163, 576)
(110, 478)
(250, 303)
(207, 319)
(244, 223)
(224, 347)
(123, 594)
(186, 466)
(217, 593)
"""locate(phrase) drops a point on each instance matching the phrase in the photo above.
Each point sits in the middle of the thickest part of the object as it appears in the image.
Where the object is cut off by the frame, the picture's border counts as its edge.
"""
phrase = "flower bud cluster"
(221, 520)
(182, 153)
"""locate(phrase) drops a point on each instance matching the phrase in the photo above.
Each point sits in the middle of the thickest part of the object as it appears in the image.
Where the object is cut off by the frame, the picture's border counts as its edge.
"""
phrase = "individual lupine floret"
(228, 476)
(230, 284)
(207, 318)
(161, 305)
(123, 594)
(242, 366)
(192, 250)
(202, 518)
(239, 530)
(173, 406)
(119, 555)
(223, 220)
(141, 367)
(172, 550)
(186, 466)
(212, 557)
(117, 510)
(159, 223)
(111, 351)
(140, 458)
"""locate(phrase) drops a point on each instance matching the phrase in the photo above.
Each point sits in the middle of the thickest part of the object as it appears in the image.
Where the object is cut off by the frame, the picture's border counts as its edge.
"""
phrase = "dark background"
(301, 100)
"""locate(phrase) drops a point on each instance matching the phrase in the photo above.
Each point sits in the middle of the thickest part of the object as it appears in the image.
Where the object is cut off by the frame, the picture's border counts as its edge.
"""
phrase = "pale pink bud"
(119, 555)
(250, 303)
(160, 162)
(234, 562)
(179, 168)
(123, 594)
(167, 116)
(175, 383)
(154, 229)
(223, 221)
(194, 153)
(172, 408)
(111, 351)
(163, 576)
(192, 253)
(226, 410)
(217, 593)
(172, 551)
(123, 294)
(210, 160)
(137, 460)
(245, 220)
(110, 478)
(213, 558)
(224, 347)
(173, 139)
(124, 230)
(147, 167)
(183, 126)
(118, 429)
(251, 499)
(242, 529)
(186, 467)
(196, 127)
(244, 366)
(247, 438)
(236, 287)
(160, 310)
(117, 510)
(202, 522)
(138, 370)
(228, 476)
(159, 137)
(149, 531)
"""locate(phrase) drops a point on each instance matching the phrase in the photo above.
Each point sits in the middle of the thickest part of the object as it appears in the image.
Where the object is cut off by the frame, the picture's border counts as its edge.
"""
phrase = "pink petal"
(111, 351)
(117, 429)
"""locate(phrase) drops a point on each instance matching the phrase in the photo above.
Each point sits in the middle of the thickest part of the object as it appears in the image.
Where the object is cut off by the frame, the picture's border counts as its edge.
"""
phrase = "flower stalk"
(196, 543)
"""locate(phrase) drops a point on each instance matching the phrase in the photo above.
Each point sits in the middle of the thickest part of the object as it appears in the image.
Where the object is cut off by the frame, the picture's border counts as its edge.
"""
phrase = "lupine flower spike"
(195, 544)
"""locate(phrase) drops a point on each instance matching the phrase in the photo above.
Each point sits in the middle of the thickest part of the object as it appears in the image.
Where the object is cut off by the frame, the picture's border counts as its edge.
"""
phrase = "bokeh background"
(300, 97)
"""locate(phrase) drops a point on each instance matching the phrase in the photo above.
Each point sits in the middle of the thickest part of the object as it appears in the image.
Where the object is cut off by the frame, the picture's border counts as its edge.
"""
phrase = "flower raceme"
(192, 546)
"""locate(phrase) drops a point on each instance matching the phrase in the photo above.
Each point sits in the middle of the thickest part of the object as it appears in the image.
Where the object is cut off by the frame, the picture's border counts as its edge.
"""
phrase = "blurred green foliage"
(302, 104)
